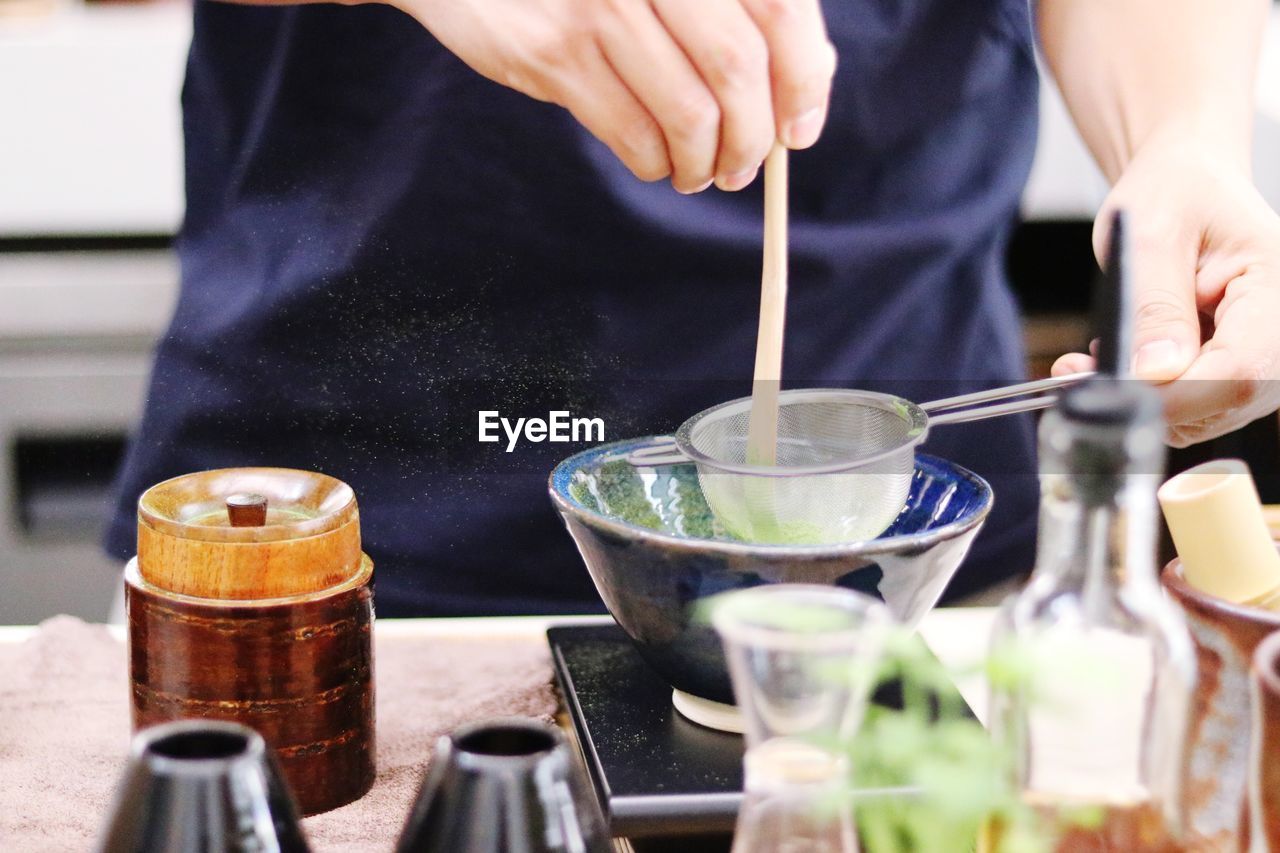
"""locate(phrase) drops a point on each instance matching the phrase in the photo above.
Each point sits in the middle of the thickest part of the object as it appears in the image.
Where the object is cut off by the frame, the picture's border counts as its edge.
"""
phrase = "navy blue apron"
(379, 243)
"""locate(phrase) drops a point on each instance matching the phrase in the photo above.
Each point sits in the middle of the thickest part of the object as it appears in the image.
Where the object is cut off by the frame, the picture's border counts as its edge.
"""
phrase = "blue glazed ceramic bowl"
(655, 551)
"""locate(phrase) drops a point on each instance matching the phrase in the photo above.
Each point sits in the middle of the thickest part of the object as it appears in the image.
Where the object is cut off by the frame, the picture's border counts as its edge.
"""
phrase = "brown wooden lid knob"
(248, 533)
(247, 509)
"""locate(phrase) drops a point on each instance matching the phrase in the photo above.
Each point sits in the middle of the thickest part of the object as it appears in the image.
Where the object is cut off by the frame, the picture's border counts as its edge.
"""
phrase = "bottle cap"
(1217, 525)
(1104, 430)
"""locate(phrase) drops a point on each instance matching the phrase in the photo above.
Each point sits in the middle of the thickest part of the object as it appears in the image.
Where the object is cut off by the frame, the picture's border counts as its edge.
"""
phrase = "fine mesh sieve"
(844, 458)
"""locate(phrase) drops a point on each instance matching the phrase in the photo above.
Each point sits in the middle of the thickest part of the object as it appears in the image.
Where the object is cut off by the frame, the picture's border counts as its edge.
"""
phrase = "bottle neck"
(1098, 517)
(1098, 546)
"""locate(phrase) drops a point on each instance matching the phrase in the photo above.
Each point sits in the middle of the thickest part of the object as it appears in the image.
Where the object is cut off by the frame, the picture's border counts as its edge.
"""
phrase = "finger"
(1206, 401)
(1166, 334)
(1235, 379)
(1072, 362)
(605, 107)
(732, 58)
(802, 62)
(662, 78)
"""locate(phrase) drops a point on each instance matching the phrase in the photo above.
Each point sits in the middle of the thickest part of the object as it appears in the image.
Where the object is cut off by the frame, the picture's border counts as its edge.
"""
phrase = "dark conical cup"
(504, 786)
(202, 786)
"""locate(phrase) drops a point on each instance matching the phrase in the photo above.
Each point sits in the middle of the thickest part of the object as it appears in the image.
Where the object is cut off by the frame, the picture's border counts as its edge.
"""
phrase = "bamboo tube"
(1218, 528)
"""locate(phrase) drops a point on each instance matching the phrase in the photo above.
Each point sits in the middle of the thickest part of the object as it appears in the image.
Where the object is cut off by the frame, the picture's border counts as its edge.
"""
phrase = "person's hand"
(695, 89)
(1205, 255)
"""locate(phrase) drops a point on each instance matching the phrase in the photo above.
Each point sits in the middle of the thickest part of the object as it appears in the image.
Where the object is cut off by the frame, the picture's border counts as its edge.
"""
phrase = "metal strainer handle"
(663, 451)
(1023, 397)
(965, 407)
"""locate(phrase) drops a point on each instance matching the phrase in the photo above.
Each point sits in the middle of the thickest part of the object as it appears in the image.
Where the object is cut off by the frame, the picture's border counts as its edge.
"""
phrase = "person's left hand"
(1205, 259)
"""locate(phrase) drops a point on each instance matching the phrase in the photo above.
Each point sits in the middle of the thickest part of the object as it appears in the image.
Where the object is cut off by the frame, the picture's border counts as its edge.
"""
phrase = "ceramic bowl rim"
(865, 547)
(1172, 578)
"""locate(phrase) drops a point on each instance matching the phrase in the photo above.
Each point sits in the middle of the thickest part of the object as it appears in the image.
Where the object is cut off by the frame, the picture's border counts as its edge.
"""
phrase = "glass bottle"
(802, 660)
(1099, 734)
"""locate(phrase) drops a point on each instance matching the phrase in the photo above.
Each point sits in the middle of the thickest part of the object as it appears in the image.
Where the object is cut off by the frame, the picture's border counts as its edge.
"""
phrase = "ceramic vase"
(202, 786)
(1226, 636)
(1262, 826)
(505, 786)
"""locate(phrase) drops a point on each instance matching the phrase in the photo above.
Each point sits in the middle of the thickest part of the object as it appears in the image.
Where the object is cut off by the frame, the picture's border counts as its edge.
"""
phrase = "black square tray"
(656, 773)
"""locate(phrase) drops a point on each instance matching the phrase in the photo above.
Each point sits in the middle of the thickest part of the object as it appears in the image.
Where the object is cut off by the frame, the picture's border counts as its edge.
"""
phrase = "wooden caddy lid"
(248, 533)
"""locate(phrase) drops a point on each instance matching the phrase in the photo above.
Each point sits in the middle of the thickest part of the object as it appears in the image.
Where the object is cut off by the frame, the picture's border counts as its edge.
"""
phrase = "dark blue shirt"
(379, 243)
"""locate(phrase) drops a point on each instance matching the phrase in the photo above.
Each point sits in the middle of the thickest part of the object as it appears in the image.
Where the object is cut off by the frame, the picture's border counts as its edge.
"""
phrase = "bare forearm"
(1162, 91)
(1137, 70)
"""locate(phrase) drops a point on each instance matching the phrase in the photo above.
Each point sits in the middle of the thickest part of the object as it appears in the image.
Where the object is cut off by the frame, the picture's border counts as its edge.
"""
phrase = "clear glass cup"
(802, 660)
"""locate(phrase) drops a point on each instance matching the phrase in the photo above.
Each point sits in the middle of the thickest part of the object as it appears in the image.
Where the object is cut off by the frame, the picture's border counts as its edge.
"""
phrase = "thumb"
(1166, 324)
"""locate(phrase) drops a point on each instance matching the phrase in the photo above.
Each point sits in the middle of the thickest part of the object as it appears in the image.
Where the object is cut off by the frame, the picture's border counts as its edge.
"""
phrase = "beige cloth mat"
(64, 729)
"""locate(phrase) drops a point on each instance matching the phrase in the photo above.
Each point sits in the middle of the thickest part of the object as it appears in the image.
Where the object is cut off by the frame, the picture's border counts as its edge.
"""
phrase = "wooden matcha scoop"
(762, 427)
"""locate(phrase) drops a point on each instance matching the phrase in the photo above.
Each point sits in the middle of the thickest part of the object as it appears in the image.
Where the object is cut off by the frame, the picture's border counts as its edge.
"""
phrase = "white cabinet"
(76, 331)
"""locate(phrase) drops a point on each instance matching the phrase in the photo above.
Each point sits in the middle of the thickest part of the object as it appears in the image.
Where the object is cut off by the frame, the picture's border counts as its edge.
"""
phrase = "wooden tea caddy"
(250, 600)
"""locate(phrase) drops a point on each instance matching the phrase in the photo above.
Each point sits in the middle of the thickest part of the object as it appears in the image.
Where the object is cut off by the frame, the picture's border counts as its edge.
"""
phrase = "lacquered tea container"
(250, 601)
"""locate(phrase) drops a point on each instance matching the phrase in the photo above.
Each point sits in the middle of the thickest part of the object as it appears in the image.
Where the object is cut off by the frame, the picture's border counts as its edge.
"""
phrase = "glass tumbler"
(802, 660)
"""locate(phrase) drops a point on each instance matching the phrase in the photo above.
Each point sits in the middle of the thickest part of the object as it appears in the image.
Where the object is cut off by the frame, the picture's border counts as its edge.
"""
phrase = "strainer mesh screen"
(809, 433)
(869, 439)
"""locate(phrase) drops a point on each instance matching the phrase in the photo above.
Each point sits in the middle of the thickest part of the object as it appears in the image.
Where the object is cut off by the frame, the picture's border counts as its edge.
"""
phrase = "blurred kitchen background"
(91, 194)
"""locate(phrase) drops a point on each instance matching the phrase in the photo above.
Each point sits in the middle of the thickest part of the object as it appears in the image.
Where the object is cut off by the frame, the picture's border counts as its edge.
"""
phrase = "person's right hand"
(694, 89)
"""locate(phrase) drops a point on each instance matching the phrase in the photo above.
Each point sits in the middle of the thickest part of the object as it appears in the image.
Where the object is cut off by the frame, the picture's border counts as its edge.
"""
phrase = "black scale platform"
(657, 774)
